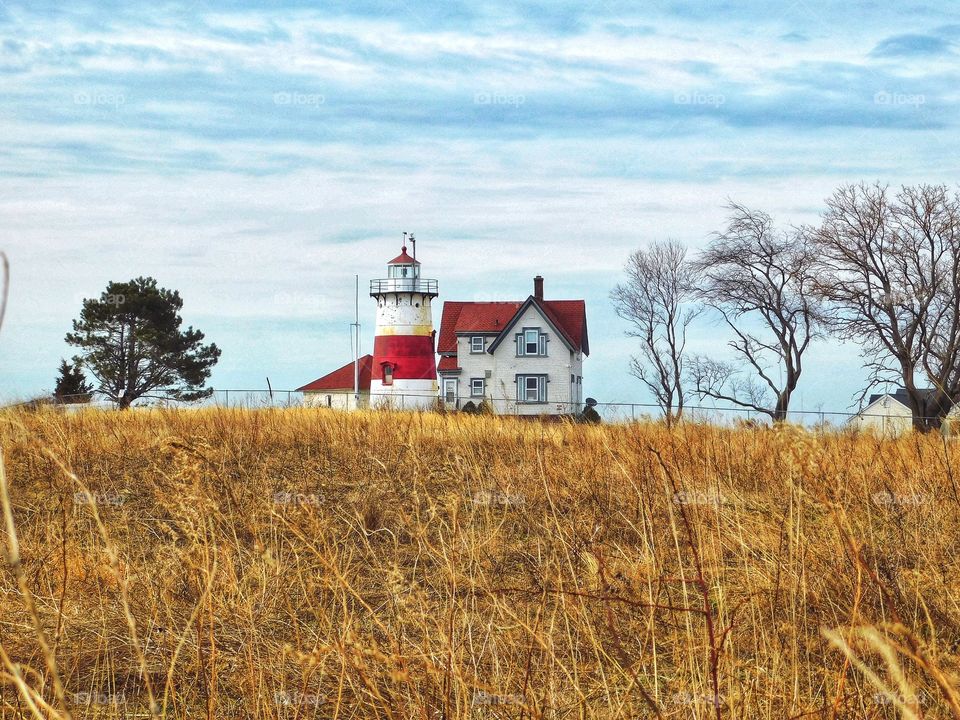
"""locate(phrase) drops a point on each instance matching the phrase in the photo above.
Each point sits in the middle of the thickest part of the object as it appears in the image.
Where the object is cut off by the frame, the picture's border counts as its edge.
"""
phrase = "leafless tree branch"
(760, 281)
(656, 301)
(889, 266)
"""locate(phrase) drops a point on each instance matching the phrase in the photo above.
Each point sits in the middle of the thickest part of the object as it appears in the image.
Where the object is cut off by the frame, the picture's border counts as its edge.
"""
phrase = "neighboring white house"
(336, 389)
(523, 357)
(890, 414)
(885, 414)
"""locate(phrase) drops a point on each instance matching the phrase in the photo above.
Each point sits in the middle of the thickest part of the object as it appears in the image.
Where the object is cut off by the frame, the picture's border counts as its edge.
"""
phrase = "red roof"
(447, 363)
(569, 316)
(342, 378)
(472, 317)
(403, 258)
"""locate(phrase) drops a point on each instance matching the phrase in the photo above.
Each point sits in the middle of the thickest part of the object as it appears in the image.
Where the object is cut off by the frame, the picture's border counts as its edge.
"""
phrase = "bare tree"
(760, 281)
(890, 268)
(656, 300)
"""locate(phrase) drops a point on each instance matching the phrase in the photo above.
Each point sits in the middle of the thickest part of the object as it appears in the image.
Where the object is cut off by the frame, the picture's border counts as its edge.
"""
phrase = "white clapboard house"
(521, 357)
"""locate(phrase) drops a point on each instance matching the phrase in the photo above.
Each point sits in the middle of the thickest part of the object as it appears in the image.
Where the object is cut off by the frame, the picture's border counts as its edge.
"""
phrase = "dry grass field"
(306, 564)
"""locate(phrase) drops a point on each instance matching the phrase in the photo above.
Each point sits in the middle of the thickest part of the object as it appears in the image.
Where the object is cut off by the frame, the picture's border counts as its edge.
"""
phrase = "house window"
(388, 374)
(531, 342)
(329, 401)
(532, 388)
(476, 387)
(477, 344)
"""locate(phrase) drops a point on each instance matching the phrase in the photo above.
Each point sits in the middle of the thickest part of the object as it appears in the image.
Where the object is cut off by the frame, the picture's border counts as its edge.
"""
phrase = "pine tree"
(132, 345)
(72, 385)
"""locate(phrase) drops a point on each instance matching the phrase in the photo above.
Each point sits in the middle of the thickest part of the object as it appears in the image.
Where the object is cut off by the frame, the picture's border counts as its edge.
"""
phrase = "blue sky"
(256, 158)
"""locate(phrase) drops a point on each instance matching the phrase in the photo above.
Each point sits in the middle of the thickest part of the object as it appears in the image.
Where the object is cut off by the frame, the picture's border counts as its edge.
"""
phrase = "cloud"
(911, 46)
(176, 101)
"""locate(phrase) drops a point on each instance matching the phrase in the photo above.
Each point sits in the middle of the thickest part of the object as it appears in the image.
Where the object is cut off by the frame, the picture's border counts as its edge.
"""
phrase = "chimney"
(538, 287)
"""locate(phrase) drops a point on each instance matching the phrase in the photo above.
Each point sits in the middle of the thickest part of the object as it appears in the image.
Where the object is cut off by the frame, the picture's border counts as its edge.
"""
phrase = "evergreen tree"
(131, 343)
(72, 385)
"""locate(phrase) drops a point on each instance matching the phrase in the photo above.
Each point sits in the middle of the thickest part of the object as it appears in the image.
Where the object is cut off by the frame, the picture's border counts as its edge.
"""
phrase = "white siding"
(886, 416)
(338, 399)
(398, 312)
(404, 394)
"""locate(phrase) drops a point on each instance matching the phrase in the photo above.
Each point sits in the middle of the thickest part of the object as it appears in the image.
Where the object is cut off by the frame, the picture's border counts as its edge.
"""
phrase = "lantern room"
(403, 266)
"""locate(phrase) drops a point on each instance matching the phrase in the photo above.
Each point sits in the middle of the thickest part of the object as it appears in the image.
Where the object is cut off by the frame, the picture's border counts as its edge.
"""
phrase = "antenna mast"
(355, 341)
(413, 242)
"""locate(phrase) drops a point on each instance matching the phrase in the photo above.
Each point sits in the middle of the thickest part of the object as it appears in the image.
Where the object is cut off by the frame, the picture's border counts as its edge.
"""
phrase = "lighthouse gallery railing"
(417, 285)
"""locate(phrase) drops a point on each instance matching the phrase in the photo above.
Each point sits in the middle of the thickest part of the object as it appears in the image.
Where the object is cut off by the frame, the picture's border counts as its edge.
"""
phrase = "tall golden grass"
(309, 564)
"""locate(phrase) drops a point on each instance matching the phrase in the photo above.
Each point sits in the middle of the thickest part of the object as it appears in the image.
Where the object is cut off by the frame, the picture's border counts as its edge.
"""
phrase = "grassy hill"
(309, 564)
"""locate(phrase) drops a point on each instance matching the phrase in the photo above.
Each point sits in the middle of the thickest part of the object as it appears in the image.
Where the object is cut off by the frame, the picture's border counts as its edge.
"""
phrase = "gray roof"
(900, 395)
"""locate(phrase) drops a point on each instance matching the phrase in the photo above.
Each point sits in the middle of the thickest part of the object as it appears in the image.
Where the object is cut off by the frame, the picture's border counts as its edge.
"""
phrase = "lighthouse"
(404, 372)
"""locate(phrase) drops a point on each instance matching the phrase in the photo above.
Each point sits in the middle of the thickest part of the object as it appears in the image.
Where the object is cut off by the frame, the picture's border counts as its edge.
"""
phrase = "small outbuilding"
(886, 414)
(889, 414)
(336, 389)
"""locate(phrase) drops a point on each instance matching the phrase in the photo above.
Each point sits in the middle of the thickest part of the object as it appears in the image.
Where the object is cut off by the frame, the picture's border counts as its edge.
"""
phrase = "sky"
(256, 157)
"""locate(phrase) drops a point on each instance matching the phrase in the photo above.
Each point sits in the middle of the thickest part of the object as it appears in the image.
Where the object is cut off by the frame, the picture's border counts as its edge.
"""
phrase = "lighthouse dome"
(403, 258)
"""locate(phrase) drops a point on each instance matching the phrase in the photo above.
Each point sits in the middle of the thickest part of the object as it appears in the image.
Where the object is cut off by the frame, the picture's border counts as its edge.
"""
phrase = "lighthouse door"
(450, 392)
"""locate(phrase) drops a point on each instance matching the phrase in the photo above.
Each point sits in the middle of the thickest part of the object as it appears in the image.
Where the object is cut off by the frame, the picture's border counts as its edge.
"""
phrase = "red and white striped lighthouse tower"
(404, 362)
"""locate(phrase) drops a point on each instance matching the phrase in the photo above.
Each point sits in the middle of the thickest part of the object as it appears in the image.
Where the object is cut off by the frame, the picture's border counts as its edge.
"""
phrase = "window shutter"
(542, 389)
(519, 344)
(521, 385)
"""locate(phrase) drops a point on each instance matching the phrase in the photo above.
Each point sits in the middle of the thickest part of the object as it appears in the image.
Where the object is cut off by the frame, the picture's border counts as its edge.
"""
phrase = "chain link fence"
(610, 412)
